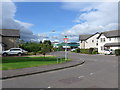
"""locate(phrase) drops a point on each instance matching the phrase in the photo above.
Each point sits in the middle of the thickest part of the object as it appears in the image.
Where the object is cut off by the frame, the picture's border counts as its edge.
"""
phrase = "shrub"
(91, 50)
(94, 52)
(77, 50)
(39, 52)
(60, 48)
(117, 52)
(34, 53)
(84, 51)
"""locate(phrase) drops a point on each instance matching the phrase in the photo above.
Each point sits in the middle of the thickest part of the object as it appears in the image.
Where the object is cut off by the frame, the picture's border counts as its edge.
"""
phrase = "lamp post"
(65, 41)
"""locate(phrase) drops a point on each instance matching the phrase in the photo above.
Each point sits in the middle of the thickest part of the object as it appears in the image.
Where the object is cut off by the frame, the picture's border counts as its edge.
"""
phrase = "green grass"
(9, 63)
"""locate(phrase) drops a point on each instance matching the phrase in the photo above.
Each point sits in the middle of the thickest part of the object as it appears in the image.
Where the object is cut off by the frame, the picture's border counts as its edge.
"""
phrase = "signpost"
(65, 41)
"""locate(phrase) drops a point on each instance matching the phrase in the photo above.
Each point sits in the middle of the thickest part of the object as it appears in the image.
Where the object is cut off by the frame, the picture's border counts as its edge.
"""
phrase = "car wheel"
(5, 54)
(19, 54)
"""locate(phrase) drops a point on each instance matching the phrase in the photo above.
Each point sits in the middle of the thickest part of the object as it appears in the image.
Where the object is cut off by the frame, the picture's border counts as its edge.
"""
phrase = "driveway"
(99, 71)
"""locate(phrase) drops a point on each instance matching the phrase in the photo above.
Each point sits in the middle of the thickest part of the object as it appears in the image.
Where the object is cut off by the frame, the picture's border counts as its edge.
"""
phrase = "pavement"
(7, 74)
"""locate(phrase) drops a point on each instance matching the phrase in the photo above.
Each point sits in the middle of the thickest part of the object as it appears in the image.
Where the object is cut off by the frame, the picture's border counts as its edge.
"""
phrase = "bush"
(77, 50)
(39, 52)
(94, 52)
(91, 50)
(60, 48)
(117, 52)
(84, 51)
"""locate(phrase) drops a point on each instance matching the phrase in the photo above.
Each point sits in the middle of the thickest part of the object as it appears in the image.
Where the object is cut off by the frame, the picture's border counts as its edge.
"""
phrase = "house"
(109, 40)
(69, 45)
(89, 41)
(55, 44)
(9, 38)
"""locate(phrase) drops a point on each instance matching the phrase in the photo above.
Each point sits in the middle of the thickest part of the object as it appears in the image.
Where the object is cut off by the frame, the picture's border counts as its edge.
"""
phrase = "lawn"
(9, 63)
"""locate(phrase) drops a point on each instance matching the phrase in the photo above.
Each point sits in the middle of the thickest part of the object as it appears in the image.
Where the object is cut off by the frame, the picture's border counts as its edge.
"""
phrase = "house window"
(109, 39)
(102, 39)
(96, 44)
(92, 40)
(102, 48)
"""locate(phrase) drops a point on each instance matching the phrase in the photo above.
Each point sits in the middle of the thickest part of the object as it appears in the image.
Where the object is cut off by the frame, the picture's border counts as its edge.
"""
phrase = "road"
(98, 71)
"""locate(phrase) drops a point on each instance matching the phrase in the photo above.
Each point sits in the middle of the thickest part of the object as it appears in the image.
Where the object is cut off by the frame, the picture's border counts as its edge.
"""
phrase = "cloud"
(97, 17)
(77, 6)
(9, 22)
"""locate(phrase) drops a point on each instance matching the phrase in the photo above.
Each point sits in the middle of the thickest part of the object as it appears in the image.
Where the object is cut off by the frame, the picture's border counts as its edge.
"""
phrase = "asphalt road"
(99, 71)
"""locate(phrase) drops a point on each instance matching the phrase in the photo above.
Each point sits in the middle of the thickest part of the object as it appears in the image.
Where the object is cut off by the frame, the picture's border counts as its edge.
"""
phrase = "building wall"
(11, 42)
(107, 40)
(82, 44)
(92, 42)
(101, 44)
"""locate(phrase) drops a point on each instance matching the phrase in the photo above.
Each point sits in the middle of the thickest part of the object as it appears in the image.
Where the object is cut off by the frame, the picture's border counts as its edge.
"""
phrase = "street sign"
(65, 39)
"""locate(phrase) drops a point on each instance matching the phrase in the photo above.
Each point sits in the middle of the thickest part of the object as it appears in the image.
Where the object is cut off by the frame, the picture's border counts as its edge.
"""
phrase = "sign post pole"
(65, 41)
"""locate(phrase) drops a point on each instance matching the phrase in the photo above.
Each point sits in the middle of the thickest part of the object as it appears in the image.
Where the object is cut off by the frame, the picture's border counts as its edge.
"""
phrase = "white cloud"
(9, 22)
(98, 17)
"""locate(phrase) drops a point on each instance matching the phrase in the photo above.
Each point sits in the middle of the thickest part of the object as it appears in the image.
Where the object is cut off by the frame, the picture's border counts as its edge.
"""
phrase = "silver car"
(14, 51)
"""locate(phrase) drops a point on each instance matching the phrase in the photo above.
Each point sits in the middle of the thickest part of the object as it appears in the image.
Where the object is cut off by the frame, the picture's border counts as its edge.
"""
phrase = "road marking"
(81, 76)
(49, 87)
(91, 73)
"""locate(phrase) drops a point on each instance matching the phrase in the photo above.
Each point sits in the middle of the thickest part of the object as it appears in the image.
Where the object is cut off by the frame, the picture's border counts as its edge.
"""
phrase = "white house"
(109, 40)
(89, 41)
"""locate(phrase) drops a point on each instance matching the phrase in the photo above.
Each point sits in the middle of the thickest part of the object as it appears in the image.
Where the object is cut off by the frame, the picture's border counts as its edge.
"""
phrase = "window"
(14, 49)
(109, 39)
(96, 44)
(102, 48)
(92, 40)
(102, 39)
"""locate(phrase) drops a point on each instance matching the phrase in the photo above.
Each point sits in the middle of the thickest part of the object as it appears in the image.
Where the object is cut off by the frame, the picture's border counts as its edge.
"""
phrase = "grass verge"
(9, 63)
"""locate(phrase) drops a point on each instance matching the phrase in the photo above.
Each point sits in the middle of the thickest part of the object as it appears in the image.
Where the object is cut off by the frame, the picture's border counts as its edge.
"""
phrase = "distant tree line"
(41, 47)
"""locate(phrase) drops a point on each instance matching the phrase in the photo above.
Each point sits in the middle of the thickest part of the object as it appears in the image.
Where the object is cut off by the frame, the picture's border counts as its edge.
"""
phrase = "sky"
(53, 20)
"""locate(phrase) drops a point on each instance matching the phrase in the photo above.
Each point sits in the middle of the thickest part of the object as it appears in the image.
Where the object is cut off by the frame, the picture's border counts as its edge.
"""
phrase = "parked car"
(73, 49)
(14, 51)
(108, 52)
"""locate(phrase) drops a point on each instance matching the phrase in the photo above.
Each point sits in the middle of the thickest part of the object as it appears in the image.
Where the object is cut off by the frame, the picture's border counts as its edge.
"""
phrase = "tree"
(40, 42)
(45, 48)
(47, 42)
(60, 48)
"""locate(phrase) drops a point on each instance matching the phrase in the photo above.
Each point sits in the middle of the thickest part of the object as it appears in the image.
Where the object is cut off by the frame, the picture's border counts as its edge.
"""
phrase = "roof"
(109, 34)
(85, 37)
(112, 44)
(10, 32)
(68, 44)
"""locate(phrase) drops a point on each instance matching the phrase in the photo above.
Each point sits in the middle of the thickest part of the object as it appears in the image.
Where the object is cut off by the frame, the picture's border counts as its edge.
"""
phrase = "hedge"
(78, 50)
(117, 52)
(85, 51)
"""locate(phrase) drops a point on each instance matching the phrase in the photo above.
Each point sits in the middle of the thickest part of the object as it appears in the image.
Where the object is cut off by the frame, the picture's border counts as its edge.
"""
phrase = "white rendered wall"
(90, 44)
